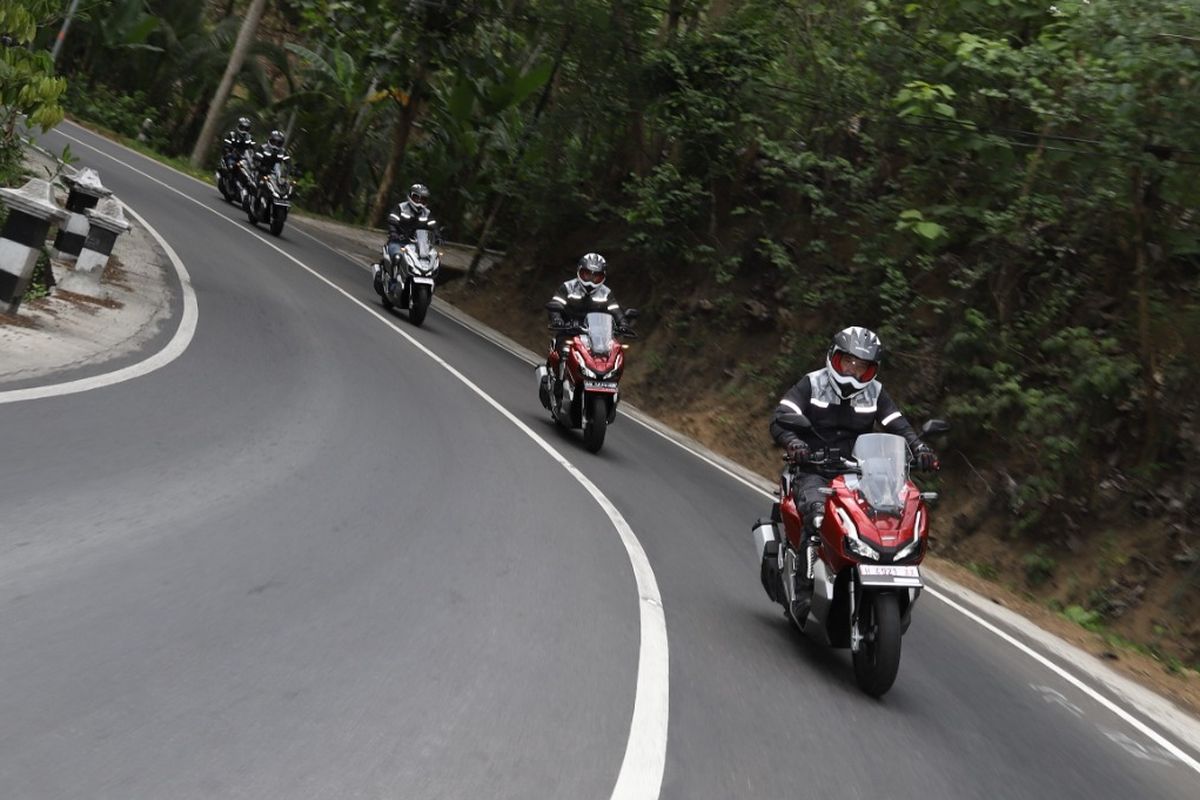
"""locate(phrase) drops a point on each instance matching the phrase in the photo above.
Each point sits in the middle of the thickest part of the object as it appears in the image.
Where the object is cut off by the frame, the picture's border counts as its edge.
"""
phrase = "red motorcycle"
(581, 386)
(855, 584)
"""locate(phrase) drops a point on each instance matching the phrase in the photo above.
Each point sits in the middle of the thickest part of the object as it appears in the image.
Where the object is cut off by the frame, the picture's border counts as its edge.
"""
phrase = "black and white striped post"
(84, 192)
(105, 223)
(31, 209)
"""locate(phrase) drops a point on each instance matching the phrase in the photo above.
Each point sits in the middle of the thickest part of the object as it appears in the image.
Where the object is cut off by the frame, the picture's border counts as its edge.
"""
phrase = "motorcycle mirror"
(935, 426)
(793, 422)
(632, 313)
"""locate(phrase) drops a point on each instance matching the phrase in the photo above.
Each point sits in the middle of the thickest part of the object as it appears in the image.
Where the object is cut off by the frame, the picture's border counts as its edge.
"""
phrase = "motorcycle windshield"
(600, 333)
(883, 459)
(424, 243)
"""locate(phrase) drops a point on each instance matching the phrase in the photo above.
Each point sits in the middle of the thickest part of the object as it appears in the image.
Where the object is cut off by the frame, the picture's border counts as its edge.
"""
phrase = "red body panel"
(881, 531)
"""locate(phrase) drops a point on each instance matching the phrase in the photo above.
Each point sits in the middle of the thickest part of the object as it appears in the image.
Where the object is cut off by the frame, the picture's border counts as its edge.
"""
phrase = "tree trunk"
(400, 134)
(1145, 335)
(236, 58)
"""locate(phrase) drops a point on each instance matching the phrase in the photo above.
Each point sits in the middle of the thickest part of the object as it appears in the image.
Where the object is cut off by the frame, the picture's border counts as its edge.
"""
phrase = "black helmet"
(275, 139)
(858, 343)
(418, 195)
(243, 124)
(592, 268)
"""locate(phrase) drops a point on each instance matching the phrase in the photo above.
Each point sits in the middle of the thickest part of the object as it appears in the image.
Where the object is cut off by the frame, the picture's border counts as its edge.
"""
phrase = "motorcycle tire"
(224, 191)
(597, 423)
(277, 226)
(387, 301)
(250, 215)
(421, 298)
(878, 658)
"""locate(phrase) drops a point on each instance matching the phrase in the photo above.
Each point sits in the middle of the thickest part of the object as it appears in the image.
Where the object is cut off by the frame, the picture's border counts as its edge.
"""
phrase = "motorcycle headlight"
(852, 542)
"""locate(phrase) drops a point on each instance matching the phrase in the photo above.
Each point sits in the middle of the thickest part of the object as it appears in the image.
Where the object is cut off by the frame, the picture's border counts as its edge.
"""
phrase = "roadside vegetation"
(1006, 190)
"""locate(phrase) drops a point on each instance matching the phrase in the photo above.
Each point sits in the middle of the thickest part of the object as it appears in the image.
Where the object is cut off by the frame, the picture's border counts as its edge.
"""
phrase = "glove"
(797, 451)
(927, 460)
(556, 321)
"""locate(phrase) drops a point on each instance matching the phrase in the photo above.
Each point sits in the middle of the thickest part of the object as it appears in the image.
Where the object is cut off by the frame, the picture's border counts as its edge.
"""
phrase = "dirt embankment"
(699, 373)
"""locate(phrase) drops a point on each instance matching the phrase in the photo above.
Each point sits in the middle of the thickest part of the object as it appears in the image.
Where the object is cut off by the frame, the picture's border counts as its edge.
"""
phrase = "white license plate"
(600, 386)
(426, 281)
(889, 575)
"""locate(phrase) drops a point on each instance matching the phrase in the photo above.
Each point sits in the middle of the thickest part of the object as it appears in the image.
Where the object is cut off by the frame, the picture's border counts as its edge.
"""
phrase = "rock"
(757, 311)
(705, 306)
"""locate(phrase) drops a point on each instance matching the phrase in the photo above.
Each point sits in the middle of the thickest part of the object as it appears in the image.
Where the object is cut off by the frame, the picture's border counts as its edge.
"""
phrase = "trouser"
(809, 501)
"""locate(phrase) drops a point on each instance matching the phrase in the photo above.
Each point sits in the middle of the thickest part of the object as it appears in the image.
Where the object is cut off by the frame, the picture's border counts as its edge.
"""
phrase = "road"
(324, 554)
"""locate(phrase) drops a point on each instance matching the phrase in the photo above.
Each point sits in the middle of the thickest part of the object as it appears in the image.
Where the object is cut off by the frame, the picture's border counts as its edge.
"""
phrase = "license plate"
(889, 575)
(426, 281)
(600, 386)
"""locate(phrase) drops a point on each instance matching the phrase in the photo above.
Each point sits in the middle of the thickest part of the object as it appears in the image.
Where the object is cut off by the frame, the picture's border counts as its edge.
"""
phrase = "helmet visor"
(853, 367)
(590, 275)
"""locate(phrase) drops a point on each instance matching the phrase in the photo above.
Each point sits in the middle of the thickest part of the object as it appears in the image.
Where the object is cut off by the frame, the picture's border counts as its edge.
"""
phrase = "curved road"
(306, 560)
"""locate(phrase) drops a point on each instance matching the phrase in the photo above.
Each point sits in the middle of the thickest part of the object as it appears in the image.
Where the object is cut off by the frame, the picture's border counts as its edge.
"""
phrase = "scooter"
(580, 386)
(855, 582)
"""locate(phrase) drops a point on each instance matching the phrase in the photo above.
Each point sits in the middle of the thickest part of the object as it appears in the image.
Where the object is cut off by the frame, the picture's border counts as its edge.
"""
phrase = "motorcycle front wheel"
(278, 217)
(421, 297)
(250, 215)
(878, 658)
(597, 423)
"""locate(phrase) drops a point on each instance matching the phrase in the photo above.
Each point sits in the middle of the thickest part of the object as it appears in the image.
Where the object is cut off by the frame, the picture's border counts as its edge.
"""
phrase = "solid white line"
(640, 777)
(173, 350)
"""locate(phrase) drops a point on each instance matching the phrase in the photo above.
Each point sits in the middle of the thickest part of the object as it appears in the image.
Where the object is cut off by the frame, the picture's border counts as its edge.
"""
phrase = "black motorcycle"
(230, 176)
(271, 197)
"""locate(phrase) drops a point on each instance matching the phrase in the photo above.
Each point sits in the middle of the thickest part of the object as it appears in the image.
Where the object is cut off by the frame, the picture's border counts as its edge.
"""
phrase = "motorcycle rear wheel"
(597, 423)
(878, 658)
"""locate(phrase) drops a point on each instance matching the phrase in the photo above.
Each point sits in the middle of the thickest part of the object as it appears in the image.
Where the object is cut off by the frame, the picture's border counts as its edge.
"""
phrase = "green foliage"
(1039, 567)
(28, 88)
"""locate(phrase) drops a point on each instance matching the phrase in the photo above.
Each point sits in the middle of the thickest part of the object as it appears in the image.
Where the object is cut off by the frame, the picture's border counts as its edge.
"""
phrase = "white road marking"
(1057, 698)
(640, 777)
(173, 349)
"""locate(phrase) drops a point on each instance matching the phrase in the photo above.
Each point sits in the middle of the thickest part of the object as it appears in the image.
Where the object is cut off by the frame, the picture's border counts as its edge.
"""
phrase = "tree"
(236, 58)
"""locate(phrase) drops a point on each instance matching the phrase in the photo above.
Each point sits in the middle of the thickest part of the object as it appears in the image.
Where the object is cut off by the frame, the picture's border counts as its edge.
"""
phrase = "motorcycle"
(271, 198)
(230, 176)
(855, 583)
(583, 392)
(409, 283)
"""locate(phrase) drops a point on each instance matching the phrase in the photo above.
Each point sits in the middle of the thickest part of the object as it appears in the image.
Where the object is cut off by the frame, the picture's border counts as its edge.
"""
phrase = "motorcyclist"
(843, 400)
(237, 141)
(269, 154)
(403, 222)
(575, 299)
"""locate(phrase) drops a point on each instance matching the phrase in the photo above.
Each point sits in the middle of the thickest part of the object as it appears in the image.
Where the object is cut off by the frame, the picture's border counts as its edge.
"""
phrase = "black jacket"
(839, 422)
(266, 156)
(573, 302)
(402, 223)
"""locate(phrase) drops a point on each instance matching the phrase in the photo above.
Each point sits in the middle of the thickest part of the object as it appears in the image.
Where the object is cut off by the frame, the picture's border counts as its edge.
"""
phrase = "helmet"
(858, 343)
(243, 124)
(591, 270)
(418, 195)
(275, 139)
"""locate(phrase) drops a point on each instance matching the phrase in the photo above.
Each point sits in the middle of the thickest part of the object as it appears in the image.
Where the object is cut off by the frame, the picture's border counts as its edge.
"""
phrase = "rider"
(238, 140)
(575, 299)
(842, 401)
(402, 223)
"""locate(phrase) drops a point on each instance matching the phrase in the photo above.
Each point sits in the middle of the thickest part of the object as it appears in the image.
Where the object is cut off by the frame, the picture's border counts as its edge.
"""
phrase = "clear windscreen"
(883, 459)
(600, 333)
(424, 241)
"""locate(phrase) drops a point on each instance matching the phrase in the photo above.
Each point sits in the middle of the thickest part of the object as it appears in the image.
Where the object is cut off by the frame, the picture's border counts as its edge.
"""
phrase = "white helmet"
(592, 268)
(861, 344)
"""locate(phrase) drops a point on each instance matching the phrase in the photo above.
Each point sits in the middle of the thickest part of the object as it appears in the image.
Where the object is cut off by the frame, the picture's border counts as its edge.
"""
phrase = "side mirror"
(793, 422)
(935, 426)
(631, 313)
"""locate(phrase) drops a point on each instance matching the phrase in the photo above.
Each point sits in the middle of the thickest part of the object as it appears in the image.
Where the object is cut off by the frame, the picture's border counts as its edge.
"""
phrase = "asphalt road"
(306, 560)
